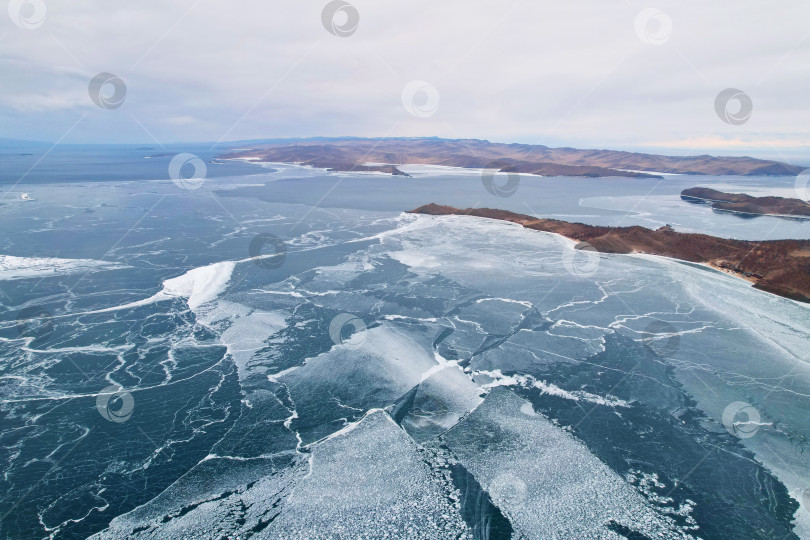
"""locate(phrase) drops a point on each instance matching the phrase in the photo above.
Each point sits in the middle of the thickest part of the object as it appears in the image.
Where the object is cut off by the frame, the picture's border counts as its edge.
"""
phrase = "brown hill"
(778, 266)
(530, 159)
(746, 204)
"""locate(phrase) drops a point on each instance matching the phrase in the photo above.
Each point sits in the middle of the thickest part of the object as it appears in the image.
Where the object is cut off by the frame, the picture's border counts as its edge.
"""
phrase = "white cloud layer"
(583, 73)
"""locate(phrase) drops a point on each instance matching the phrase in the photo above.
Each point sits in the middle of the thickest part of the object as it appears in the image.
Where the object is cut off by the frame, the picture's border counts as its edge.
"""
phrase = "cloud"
(574, 74)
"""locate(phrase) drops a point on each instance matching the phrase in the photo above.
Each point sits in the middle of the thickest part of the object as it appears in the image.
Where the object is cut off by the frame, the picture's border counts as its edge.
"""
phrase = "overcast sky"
(584, 73)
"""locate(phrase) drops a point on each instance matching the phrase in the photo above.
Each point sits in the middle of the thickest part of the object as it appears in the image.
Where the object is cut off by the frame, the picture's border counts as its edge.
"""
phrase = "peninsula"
(780, 267)
(746, 204)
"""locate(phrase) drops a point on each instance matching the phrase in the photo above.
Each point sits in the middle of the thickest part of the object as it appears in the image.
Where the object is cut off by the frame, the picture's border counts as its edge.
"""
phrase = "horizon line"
(694, 151)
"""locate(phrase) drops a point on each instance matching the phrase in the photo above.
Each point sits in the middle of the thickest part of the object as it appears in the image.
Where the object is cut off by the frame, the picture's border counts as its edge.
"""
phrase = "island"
(357, 167)
(748, 205)
(780, 267)
(359, 154)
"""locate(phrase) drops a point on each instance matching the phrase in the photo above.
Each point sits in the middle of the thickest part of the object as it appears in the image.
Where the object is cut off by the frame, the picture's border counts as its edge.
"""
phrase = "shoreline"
(363, 169)
(775, 266)
(730, 272)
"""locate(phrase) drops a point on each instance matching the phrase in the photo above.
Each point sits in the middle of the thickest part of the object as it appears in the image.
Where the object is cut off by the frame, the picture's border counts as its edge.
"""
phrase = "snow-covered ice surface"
(218, 498)
(12, 267)
(544, 480)
(370, 480)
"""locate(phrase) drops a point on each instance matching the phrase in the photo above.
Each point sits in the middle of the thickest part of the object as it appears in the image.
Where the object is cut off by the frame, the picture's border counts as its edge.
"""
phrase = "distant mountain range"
(352, 154)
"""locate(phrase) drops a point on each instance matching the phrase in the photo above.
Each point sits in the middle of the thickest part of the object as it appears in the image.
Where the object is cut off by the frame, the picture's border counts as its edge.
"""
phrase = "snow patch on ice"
(499, 379)
(12, 267)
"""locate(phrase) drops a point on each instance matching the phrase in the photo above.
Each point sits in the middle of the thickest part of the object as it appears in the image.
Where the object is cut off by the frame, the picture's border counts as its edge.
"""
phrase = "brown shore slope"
(780, 267)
